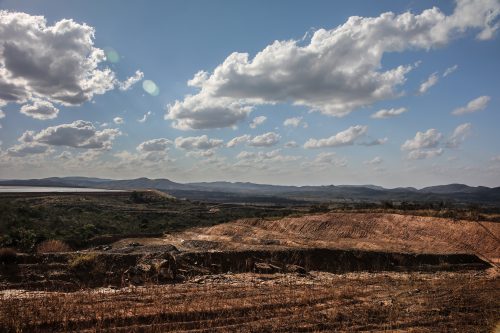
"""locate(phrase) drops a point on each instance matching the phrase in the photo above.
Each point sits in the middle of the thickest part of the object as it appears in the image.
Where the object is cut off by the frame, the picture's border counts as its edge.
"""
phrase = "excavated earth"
(333, 242)
(320, 273)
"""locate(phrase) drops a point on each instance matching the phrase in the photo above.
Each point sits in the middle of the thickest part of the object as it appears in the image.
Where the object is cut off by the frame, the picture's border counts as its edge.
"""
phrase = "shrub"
(7, 256)
(83, 262)
(52, 245)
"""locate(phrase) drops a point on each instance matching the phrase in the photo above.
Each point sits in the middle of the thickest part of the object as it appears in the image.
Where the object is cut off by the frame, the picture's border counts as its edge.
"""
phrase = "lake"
(22, 189)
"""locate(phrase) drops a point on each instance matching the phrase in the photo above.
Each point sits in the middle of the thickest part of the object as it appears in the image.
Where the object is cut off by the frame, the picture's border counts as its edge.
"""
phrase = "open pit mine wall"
(94, 269)
(327, 260)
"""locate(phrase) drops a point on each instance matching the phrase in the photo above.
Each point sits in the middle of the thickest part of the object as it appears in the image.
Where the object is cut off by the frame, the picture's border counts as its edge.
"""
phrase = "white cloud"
(420, 154)
(118, 120)
(160, 144)
(65, 155)
(294, 122)
(338, 71)
(374, 161)
(344, 138)
(42, 110)
(237, 140)
(78, 134)
(428, 139)
(450, 70)
(201, 112)
(201, 153)
(264, 140)
(2, 115)
(197, 142)
(257, 121)
(261, 157)
(127, 84)
(475, 105)
(291, 144)
(325, 160)
(427, 84)
(25, 149)
(55, 63)
(388, 113)
(375, 142)
(495, 158)
(145, 117)
(459, 135)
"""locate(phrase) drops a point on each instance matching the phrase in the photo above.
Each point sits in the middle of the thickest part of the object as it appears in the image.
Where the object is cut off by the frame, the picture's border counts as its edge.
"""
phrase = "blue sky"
(324, 72)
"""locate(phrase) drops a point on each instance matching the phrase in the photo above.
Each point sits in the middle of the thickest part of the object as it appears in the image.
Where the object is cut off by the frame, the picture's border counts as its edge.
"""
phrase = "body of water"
(24, 189)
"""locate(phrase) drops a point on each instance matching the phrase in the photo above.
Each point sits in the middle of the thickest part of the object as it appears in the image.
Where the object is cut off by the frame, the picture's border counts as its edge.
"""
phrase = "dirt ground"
(315, 302)
(465, 300)
(380, 232)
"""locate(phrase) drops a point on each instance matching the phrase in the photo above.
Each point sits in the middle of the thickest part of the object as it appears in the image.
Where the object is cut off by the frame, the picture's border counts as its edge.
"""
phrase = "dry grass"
(52, 246)
(464, 302)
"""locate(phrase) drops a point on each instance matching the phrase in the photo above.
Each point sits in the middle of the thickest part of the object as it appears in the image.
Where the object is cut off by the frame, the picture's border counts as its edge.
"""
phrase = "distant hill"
(242, 191)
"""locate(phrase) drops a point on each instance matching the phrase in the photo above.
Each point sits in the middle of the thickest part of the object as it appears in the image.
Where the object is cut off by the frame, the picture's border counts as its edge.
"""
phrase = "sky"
(391, 93)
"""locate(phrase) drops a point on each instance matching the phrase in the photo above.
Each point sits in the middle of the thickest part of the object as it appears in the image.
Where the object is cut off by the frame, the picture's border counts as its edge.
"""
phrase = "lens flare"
(111, 55)
(150, 87)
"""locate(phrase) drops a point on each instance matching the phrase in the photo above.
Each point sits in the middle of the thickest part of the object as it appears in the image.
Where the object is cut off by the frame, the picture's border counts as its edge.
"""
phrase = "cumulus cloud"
(160, 144)
(459, 135)
(374, 161)
(376, 142)
(427, 84)
(257, 121)
(264, 140)
(450, 70)
(261, 157)
(344, 138)
(388, 113)
(238, 140)
(56, 63)
(424, 145)
(325, 160)
(202, 112)
(428, 139)
(78, 134)
(338, 71)
(294, 122)
(40, 110)
(197, 143)
(118, 120)
(145, 117)
(25, 149)
(128, 83)
(475, 105)
(291, 144)
(420, 154)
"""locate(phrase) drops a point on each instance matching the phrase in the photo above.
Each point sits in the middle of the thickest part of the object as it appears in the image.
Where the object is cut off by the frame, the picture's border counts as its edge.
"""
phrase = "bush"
(83, 262)
(51, 246)
(7, 256)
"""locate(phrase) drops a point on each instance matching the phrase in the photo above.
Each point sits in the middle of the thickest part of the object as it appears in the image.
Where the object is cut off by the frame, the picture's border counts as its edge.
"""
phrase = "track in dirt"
(279, 303)
(381, 232)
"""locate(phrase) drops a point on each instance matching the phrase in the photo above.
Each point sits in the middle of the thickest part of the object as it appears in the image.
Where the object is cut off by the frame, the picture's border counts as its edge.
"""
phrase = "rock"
(135, 244)
(138, 274)
(265, 268)
(295, 269)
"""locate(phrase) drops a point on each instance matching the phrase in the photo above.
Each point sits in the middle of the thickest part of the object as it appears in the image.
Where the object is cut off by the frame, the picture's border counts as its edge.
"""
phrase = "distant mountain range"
(250, 192)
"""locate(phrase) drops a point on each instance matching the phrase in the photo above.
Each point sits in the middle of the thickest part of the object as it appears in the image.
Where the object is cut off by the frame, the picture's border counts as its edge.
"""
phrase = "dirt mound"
(380, 232)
